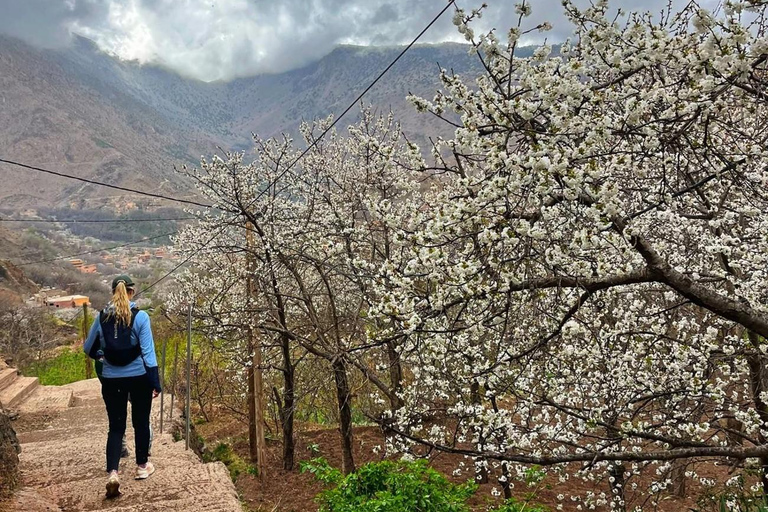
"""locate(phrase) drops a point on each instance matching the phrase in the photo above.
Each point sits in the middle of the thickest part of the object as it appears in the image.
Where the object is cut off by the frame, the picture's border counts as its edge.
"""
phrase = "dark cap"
(125, 279)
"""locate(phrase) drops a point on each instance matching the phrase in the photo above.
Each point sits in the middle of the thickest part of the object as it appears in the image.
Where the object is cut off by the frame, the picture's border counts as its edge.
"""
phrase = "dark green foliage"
(514, 505)
(235, 464)
(389, 487)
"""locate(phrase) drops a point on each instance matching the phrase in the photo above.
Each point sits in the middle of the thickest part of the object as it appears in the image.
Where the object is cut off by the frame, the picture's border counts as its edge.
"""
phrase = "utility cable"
(102, 184)
(314, 143)
(177, 267)
(352, 105)
(271, 183)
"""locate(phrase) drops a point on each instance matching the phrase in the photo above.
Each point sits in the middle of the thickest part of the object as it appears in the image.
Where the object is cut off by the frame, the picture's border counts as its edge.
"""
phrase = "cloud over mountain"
(224, 39)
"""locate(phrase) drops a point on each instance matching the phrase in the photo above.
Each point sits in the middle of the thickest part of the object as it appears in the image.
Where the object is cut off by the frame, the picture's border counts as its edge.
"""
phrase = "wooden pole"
(174, 376)
(162, 383)
(256, 421)
(189, 369)
(88, 363)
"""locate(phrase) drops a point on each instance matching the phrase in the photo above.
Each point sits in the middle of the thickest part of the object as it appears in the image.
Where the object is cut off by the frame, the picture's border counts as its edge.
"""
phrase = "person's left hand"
(155, 393)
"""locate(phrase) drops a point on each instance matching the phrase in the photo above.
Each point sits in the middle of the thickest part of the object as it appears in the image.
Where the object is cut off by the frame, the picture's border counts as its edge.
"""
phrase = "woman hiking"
(121, 339)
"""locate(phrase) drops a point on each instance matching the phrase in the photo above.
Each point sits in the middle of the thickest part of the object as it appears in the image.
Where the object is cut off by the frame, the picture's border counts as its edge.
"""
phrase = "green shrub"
(65, 368)
(235, 464)
(389, 487)
(513, 505)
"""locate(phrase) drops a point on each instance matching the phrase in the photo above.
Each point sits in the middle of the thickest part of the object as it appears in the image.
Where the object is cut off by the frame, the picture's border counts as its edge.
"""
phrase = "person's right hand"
(155, 393)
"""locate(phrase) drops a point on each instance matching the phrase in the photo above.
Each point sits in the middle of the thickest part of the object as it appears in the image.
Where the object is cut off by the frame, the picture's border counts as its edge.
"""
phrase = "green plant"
(225, 454)
(313, 448)
(534, 475)
(67, 367)
(514, 505)
(731, 502)
(388, 486)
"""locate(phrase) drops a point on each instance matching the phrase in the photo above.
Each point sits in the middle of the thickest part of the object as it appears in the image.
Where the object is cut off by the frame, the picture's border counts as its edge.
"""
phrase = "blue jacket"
(144, 365)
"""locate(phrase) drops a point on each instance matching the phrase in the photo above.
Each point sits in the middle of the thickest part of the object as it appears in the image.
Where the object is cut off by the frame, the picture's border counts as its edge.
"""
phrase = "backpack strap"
(134, 312)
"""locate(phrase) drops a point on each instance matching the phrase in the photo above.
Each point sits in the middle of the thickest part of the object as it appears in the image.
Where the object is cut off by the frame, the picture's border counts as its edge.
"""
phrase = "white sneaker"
(113, 485)
(144, 472)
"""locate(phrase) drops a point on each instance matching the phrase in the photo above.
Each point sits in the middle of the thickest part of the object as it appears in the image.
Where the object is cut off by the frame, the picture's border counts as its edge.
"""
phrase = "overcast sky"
(222, 39)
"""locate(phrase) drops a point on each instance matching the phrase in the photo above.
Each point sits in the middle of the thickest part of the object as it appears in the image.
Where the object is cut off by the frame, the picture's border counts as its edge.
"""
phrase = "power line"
(101, 184)
(59, 258)
(352, 105)
(271, 183)
(78, 221)
(174, 269)
(314, 143)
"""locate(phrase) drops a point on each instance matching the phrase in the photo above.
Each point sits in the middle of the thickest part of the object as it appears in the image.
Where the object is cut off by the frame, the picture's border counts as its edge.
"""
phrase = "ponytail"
(122, 304)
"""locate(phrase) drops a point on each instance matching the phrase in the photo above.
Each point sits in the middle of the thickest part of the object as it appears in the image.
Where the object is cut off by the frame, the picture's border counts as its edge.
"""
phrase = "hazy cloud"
(223, 39)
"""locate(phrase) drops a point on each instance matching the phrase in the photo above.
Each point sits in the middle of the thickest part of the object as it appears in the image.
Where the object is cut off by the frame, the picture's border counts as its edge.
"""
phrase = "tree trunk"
(678, 478)
(505, 484)
(616, 473)
(253, 449)
(481, 470)
(757, 381)
(344, 398)
(395, 376)
(288, 406)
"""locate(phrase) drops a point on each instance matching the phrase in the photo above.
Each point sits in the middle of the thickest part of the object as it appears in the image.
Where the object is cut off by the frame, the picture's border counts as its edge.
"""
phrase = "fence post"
(162, 383)
(256, 440)
(174, 377)
(189, 367)
(88, 363)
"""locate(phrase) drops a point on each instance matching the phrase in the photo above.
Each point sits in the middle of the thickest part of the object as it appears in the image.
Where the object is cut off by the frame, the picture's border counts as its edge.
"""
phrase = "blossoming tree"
(579, 280)
(316, 244)
(588, 290)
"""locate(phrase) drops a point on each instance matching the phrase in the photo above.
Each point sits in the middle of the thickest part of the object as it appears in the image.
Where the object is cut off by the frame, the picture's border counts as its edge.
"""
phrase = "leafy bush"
(389, 487)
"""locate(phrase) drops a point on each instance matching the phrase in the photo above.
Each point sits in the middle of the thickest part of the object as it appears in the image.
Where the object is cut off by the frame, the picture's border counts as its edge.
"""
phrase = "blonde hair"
(121, 304)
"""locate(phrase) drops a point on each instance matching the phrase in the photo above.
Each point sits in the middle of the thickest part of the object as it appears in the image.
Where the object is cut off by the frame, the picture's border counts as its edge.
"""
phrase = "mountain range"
(80, 111)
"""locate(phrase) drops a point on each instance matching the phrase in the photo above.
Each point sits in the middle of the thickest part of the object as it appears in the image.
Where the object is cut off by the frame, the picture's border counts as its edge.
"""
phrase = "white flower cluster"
(580, 275)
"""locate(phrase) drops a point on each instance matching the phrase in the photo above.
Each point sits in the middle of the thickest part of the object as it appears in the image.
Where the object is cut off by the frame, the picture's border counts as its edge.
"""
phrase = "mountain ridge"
(81, 111)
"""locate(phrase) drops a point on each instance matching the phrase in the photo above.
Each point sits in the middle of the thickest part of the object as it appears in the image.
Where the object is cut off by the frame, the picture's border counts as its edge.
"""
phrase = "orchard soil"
(292, 491)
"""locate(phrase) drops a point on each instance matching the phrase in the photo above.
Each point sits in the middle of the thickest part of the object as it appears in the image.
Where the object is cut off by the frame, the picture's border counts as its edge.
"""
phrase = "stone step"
(197, 487)
(7, 376)
(20, 388)
(62, 463)
(47, 399)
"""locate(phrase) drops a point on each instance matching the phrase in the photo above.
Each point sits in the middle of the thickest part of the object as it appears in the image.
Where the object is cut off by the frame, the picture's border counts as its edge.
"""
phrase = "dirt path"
(62, 462)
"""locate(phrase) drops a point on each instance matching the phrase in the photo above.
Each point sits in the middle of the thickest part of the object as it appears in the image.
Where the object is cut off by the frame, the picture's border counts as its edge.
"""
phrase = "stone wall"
(9, 456)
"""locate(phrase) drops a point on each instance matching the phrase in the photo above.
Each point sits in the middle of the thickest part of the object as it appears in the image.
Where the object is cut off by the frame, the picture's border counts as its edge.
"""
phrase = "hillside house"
(41, 297)
(68, 301)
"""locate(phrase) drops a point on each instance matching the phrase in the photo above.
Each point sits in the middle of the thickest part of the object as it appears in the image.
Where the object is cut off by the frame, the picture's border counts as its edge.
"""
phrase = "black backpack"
(117, 343)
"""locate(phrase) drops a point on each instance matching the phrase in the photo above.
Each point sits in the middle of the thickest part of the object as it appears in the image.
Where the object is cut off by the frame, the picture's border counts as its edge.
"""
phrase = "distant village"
(124, 260)
(65, 304)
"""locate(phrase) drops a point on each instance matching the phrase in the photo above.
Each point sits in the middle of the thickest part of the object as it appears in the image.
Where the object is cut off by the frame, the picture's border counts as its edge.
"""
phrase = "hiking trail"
(63, 431)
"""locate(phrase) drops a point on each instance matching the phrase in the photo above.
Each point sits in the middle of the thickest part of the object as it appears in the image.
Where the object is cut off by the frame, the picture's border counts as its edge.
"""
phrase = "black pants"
(115, 393)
